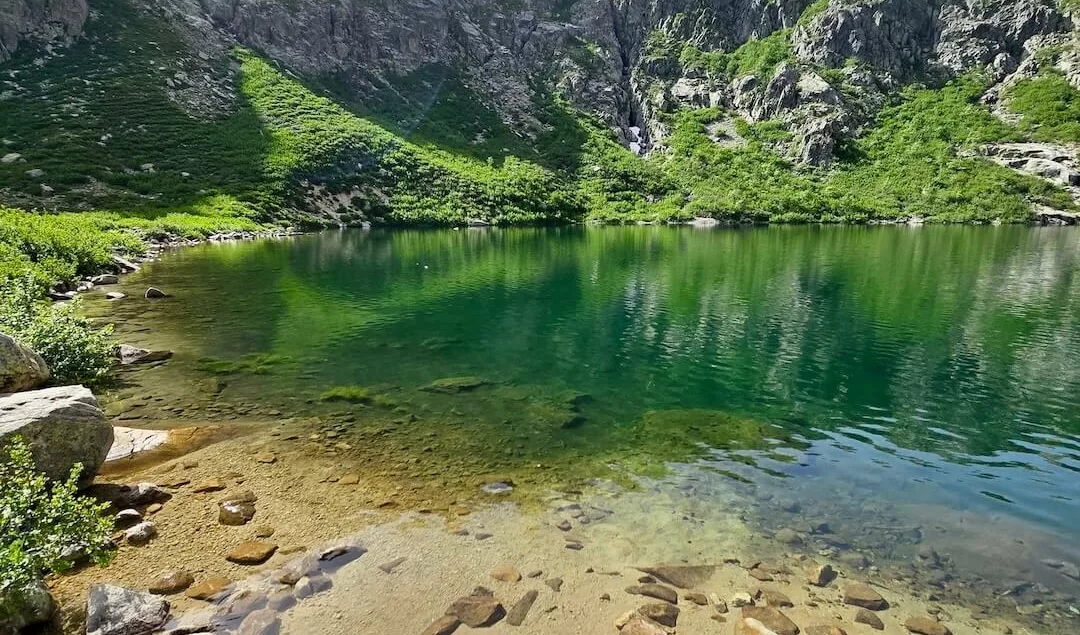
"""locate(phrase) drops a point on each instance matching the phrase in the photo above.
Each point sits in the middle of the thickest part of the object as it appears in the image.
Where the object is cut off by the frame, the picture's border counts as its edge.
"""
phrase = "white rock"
(113, 610)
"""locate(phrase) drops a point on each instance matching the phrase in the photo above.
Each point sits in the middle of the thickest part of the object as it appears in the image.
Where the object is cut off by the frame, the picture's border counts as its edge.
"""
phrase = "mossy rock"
(455, 385)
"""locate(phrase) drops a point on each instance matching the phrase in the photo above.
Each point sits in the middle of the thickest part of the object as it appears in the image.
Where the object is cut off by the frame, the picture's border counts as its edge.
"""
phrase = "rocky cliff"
(49, 21)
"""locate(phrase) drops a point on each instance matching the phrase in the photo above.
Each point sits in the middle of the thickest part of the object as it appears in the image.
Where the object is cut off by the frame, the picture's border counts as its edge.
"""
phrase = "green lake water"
(929, 374)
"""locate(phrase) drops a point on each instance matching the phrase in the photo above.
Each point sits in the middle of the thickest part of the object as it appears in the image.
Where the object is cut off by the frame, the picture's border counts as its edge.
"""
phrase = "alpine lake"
(905, 400)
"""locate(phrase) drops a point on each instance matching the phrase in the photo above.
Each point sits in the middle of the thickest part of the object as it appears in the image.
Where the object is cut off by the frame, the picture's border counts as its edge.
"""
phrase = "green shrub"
(42, 524)
(76, 352)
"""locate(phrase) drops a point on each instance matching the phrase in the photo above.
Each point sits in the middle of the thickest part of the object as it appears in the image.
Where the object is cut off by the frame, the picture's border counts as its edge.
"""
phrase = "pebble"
(775, 598)
(264, 531)
(661, 613)
(741, 599)
(266, 458)
(696, 598)
(789, 537)
(642, 626)
(445, 625)
(870, 619)
(251, 552)
(171, 582)
(213, 485)
(926, 626)
(821, 575)
(521, 608)
(772, 618)
(208, 588)
(140, 534)
(388, 567)
(477, 610)
(575, 546)
(349, 479)
(564, 525)
(155, 508)
(536, 573)
(555, 584)
(126, 517)
(506, 574)
(657, 591)
(863, 596)
(825, 629)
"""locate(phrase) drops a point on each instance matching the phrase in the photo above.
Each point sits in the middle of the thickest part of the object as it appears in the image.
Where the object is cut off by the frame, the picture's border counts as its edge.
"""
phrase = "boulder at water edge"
(63, 426)
(20, 367)
(113, 610)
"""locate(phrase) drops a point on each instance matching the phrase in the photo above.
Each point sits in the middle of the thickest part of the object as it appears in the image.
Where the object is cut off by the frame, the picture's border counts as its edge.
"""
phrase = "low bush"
(76, 351)
(45, 526)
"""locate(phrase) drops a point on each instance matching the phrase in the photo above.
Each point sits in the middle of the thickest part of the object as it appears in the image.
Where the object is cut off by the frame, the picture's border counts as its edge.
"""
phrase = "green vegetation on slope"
(909, 164)
(1050, 107)
(755, 57)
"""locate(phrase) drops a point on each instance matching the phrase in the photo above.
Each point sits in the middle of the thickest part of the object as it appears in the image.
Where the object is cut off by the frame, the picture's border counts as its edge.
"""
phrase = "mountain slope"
(459, 111)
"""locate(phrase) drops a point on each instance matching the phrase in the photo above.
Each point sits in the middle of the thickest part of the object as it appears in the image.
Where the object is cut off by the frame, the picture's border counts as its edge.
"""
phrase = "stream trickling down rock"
(911, 394)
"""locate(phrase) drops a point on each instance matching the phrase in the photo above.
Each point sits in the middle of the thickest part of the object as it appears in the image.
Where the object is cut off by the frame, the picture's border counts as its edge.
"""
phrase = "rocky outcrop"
(50, 21)
(1057, 164)
(63, 426)
(20, 367)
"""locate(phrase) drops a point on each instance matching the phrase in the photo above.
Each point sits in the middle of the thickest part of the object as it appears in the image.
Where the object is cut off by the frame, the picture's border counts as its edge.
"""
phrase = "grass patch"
(350, 394)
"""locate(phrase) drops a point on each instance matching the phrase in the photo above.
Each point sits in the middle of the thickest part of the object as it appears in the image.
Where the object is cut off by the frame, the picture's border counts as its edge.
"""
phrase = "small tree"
(45, 526)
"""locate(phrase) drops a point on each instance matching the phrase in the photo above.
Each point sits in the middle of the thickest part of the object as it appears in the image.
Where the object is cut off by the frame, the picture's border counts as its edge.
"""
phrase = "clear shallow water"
(935, 371)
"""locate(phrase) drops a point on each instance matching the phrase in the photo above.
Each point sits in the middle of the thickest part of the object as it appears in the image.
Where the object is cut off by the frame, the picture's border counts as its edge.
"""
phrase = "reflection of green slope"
(313, 315)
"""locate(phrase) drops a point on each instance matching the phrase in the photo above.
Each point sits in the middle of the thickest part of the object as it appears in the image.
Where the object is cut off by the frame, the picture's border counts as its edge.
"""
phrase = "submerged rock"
(20, 368)
(62, 425)
(863, 616)
(863, 596)
(661, 613)
(153, 293)
(113, 610)
(455, 385)
(682, 576)
(772, 618)
(658, 591)
(926, 626)
(477, 610)
(209, 588)
(521, 608)
(133, 355)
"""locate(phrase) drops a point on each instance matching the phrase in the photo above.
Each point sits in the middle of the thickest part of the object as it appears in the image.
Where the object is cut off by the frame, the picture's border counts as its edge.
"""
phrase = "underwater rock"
(153, 293)
(477, 610)
(445, 625)
(661, 613)
(863, 596)
(772, 618)
(870, 619)
(455, 385)
(658, 591)
(926, 626)
(682, 576)
(113, 610)
(521, 608)
(821, 575)
(133, 355)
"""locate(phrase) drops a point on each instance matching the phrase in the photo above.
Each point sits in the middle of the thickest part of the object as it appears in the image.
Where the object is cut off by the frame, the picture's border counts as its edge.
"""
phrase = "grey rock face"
(62, 425)
(45, 20)
(20, 367)
(113, 610)
(20, 608)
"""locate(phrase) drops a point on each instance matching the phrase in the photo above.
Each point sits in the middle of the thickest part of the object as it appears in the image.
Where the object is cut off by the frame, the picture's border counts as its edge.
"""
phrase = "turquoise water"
(935, 370)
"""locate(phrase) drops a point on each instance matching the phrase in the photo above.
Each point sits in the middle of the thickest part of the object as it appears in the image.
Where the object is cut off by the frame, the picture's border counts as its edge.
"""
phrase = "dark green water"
(936, 366)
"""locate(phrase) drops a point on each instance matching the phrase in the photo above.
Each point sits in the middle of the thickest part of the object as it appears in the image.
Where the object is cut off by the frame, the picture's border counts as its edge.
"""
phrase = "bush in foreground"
(76, 352)
(44, 525)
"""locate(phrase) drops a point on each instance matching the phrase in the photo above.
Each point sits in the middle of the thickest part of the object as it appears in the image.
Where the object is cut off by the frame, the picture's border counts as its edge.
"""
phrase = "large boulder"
(20, 367)
(113, 610)
(62, 425)
(29, 606)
